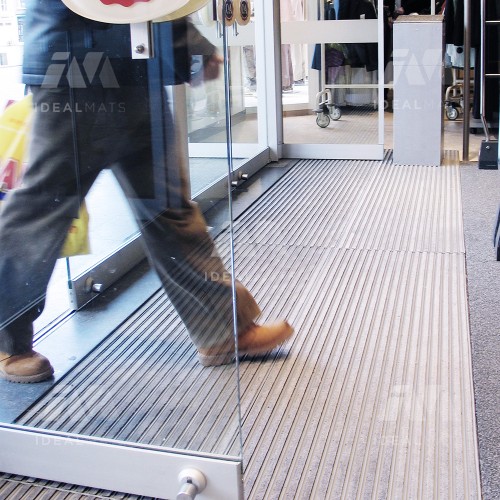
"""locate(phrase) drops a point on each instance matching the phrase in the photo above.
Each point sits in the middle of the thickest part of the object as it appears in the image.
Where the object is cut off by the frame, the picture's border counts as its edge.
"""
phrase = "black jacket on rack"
(421, 6)
(454, 22)
(418, 6)
(360, 54)
(492, 63)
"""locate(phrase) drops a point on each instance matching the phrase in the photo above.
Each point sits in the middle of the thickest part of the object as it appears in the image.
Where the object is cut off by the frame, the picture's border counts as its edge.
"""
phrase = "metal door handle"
(188, 492)
(192, 482)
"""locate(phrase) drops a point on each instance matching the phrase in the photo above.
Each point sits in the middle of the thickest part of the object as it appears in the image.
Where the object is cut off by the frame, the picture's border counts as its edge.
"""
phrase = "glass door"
(203, 124)
(144, 377)
(246, 120)
(332, 67)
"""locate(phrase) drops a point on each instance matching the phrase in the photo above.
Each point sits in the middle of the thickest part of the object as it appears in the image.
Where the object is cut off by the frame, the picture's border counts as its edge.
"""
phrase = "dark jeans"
(77, 133)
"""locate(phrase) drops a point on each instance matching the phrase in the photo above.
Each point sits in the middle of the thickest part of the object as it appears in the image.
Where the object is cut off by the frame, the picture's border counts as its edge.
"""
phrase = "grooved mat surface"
(372, 397)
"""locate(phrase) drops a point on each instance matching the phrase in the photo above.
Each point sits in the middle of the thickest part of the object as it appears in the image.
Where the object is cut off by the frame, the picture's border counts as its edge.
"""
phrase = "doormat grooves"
(372, 398)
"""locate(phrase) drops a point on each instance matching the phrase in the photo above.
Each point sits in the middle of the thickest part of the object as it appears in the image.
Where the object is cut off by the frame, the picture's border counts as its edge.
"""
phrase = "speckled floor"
(480, 200)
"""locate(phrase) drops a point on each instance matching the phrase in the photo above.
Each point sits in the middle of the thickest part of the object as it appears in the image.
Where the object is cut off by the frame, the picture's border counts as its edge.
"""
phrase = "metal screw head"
(140, 48)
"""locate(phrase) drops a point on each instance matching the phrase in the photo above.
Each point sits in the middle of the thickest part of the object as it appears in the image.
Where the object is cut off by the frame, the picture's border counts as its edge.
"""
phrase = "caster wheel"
(451, 113)
(336, 113)
(322, 120)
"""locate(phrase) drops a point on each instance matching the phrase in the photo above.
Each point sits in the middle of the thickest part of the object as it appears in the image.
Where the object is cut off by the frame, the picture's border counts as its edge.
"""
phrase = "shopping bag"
(14, 131)
(77, 239)
(14, 125)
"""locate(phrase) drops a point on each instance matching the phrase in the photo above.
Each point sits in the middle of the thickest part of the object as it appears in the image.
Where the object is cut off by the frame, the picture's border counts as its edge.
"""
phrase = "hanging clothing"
(454, 22)
(418, 6)
(299, 51)
(454, 31)
(359, 54)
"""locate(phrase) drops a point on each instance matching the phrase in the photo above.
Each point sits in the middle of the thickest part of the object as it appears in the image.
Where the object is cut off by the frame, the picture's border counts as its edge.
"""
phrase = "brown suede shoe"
(255, 340)
(25, 368)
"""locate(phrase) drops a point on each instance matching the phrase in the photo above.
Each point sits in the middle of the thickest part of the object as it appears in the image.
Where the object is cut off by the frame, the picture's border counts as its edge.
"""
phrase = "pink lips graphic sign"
(125, 3)
(126, 11)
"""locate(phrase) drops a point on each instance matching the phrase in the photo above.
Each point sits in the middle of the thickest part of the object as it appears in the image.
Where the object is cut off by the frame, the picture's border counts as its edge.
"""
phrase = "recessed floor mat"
(372, 397)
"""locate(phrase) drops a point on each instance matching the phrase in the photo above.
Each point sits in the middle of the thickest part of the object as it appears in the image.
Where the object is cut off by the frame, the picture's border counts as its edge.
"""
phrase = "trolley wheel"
(451, 113)
(335, 113)
(322, 120)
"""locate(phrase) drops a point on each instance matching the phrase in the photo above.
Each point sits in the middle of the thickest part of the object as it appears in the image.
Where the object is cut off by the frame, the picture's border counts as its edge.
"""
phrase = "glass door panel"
(161, 383)
(331, 94)
(206, 123)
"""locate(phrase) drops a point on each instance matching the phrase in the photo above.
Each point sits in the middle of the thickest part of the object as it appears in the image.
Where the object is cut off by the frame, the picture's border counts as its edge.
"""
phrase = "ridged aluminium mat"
(373, 396)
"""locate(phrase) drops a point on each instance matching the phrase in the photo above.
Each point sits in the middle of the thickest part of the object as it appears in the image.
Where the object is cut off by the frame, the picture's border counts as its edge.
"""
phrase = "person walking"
(95, 107)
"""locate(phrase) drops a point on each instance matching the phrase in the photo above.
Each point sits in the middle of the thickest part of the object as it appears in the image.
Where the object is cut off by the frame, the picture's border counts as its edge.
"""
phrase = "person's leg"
(175, 232)
(184, 255)
(34, 222)
(250, 69)
(199, 286)
(286, 68)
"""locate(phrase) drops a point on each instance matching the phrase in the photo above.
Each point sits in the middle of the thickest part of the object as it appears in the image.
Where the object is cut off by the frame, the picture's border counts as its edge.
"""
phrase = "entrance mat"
(372, 397)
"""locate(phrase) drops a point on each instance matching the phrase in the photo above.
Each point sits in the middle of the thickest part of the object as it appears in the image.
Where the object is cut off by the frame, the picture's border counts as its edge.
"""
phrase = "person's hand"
(212, 66)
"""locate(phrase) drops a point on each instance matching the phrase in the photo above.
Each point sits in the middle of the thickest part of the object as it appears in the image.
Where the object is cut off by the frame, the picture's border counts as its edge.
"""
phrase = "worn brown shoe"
(25, 368)
(255, 340)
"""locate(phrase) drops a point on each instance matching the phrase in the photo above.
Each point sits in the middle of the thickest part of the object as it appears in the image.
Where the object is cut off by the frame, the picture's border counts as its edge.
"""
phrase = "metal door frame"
(115, 465)
(346, 32)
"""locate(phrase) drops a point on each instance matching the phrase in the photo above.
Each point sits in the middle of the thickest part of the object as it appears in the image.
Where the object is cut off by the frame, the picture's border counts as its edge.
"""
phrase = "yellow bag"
(14, 127)
(77, 240)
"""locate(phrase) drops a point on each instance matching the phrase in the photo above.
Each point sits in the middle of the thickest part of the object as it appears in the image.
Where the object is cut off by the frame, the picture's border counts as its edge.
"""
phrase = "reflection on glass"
(106, 124)
(98, 111)
(206, 117)
(329, 89)
(206, 106)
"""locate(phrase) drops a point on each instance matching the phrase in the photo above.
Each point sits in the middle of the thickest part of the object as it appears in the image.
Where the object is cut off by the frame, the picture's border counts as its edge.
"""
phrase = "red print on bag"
(125, 3)
(10, 177)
